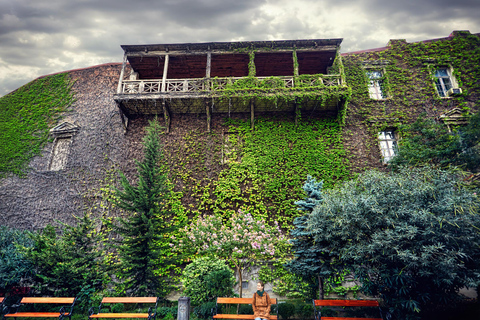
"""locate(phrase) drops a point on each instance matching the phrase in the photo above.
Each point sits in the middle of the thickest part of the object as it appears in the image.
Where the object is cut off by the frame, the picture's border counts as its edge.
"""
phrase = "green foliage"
(429, 142)
(14, 266)
(242, 240)
(275, 159)
(204, 311)
(286, 310)
(411, 236)
(26, 116)
(145, 232)
(70, 265)
(304, 310)
(206, 279)
(166, 312)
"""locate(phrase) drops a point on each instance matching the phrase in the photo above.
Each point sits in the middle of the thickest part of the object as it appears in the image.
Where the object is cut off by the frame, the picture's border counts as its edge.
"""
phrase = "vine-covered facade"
(245, 123)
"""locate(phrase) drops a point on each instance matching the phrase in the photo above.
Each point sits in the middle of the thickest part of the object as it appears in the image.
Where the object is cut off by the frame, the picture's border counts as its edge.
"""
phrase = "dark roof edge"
(228, 46)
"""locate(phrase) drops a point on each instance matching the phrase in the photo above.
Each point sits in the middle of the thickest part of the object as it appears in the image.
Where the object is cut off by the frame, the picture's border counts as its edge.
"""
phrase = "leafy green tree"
(14, 266)
(410, 236)
(205, 279)
(427, 141)
(144, 252)
(71, 264)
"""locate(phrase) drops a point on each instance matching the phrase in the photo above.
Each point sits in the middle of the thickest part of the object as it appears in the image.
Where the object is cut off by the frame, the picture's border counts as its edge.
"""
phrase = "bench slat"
(239, 316)
(1, 299)
(129, 300)
(120, 315)
(241, 300)
(35, 314)
(47, 300)
(346, 303)
(341, 318)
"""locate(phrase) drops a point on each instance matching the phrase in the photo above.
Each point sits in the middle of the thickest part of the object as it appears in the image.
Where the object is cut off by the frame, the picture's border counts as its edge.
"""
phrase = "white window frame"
(443, 83)
(375, 84)
(388, 144)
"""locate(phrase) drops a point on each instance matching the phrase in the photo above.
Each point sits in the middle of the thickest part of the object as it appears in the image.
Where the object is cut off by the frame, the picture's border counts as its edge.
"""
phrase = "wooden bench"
(238, 301)
(65, 311)
(151, 314)
(317, 304)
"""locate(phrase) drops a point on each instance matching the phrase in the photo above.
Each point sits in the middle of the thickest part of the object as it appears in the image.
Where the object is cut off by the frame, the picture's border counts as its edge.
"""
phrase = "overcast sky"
(39, 37)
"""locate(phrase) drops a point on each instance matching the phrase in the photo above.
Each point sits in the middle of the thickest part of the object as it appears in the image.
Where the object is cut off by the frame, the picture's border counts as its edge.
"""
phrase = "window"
(375, 84)
(388, 144)
(244, 284)
(63, 134)
(443, 81)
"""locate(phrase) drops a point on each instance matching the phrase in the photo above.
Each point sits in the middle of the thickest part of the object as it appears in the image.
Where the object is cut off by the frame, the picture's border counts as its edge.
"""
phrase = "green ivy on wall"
(26, 116)
(263, 170)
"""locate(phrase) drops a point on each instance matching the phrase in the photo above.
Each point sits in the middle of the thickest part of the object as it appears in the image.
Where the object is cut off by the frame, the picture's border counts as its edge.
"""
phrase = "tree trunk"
(320, 288)
(240, 285)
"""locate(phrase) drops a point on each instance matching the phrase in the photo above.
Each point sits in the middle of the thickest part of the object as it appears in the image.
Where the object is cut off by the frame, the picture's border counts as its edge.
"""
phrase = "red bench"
(151, 314)
(317, 304)
(238, 301)
(65, 311)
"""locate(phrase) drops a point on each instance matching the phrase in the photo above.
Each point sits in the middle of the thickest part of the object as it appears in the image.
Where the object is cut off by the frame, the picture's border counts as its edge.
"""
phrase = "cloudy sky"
(39, 37)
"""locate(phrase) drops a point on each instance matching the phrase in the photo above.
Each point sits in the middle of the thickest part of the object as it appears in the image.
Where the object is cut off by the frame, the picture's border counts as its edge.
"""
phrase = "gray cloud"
(39, 37)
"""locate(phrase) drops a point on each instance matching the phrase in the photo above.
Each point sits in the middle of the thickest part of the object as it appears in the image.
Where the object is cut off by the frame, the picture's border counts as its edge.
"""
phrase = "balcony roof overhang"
(189, 60)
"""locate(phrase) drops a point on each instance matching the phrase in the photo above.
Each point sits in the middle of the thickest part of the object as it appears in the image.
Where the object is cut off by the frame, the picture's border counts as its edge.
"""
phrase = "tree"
(309, 262)
(14, 266)
(429, 142)
(410, 236)
(144, 253)
(205, 279)
(70, 264)
(241, 241)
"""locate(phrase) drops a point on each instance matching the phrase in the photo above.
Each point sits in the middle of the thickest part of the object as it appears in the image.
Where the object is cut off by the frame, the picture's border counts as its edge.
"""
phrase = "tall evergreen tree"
(309, 261)
(144, 231)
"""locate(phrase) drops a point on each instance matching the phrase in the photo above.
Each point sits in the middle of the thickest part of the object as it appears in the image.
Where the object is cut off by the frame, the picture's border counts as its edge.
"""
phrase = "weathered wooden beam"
(166, 115)
(165, 70)
(209, 64)
(122, 73)
(209, 116)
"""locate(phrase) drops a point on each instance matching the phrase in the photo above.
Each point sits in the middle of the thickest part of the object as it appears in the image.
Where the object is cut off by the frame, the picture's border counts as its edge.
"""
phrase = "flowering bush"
(242, 241)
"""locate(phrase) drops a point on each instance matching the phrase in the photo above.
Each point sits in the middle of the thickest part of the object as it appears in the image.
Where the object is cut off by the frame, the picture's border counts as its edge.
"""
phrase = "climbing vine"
(260, 171)
(26, 116)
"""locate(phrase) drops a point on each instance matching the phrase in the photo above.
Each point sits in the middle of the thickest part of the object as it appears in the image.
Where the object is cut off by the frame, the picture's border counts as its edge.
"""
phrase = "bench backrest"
(241, 300)
(129, 300)
(47, 300)
(346, 303)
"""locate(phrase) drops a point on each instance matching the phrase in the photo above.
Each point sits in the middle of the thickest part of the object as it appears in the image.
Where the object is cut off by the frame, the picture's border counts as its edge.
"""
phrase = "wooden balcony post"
(165, 70)
(122, 73)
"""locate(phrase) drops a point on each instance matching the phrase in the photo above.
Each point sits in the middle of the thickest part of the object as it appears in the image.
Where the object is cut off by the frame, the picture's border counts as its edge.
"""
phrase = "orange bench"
(238, 301)
(65, 311)
(344, 303)
(151, 314)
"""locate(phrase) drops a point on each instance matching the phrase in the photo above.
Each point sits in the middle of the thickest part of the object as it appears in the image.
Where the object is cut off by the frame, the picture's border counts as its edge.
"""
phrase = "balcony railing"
(212, 84)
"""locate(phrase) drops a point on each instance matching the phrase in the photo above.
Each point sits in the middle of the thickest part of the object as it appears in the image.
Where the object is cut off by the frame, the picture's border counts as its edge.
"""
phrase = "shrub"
(204, 311)
(304, 310)
(205, 279)
(286, 310)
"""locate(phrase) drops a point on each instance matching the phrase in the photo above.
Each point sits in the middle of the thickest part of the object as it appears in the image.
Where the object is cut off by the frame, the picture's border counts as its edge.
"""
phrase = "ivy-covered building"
(245, 122)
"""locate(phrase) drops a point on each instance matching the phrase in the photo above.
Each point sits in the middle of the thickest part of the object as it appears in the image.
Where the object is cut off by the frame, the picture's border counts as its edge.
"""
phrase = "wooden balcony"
(190, 95)
(258, 76)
